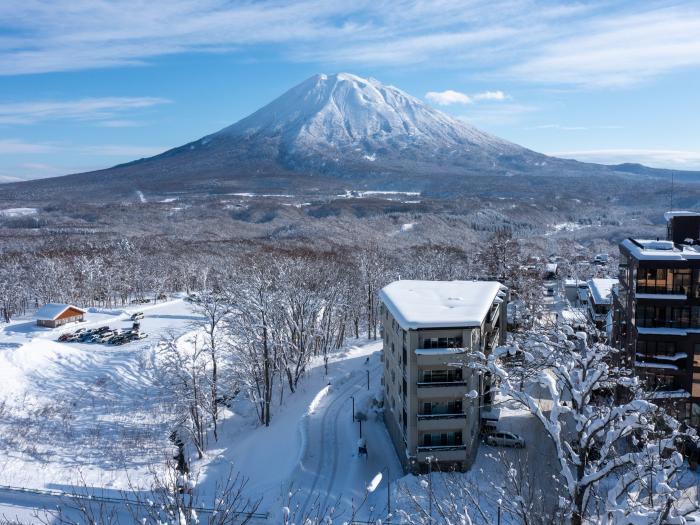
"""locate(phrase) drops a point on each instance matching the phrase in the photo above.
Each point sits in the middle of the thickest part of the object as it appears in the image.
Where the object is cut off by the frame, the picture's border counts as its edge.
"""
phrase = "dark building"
(657, 313)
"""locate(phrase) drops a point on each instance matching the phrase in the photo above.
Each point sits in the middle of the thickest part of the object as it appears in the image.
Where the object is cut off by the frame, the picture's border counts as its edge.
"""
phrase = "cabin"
(52, 315)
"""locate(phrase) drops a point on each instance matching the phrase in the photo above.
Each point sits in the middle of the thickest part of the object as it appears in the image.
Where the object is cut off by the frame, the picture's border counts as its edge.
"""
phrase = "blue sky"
(86, 84)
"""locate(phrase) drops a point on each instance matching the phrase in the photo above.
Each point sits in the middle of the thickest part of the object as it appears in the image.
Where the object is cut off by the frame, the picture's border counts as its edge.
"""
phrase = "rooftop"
(440, 304)
(671, 214)
(601, 290)
(51, 311)
(654, 250)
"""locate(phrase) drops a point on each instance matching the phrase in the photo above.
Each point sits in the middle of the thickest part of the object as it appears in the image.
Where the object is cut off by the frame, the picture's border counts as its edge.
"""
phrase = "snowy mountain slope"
(344, 111)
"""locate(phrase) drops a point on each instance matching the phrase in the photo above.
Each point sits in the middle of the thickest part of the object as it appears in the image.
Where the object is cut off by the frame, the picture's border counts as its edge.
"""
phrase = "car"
(505, 439)
(136, 316)
(140, 335)
(101, 330)
(64, 337)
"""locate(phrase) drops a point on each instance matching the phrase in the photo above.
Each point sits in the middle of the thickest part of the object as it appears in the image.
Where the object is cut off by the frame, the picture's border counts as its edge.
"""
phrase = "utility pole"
(430, 488)
(388, 494)
(367, 379)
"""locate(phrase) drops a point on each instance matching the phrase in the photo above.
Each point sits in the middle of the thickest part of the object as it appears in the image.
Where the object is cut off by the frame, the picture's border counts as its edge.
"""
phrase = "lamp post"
(367, 379)
(388, 494)
(353, 408)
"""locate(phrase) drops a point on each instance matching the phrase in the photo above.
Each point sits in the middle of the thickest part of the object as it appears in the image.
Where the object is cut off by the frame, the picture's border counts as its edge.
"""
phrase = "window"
(442, 439)
(442, 407)
(442, 342)
(655, 348)
(442, 376)
(652, 316)
(664, 281)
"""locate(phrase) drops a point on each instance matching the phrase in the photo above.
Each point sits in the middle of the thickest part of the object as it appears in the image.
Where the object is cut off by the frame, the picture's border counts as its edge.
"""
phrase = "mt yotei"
(332, 132)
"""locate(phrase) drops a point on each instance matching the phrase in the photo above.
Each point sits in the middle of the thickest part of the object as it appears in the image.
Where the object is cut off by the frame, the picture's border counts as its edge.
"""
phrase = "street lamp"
(353, 408)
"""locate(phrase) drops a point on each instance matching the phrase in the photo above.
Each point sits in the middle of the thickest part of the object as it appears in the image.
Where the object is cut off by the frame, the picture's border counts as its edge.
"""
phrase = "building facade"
(656, 317)
(433, 401)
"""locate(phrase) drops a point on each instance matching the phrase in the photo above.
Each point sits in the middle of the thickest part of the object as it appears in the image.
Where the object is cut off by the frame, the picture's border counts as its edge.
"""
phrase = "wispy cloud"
(15, 146)
(562, 127)
(449, 97)
(656, 158)
(589, 43)
(497, 114)
(20, 147)
(85, 109)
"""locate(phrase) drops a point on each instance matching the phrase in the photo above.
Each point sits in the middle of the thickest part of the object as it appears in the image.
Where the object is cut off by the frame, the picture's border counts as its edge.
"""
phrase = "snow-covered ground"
(74, 414)
(18, 212)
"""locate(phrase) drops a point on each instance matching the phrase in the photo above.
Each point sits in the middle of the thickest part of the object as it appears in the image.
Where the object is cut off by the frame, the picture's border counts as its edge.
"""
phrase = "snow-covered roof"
(680, 213)
(652, 250)
(551, 267)
(601, 290)
(51, 311)
(439, 304)
(573, 283)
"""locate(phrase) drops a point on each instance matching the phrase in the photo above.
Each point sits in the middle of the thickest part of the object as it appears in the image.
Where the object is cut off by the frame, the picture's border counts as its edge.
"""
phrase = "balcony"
(442, 452)
(427, 422)
(442, 389)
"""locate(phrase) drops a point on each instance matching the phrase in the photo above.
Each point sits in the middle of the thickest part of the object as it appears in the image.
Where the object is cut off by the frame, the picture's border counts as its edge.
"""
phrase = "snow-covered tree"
(612, 445)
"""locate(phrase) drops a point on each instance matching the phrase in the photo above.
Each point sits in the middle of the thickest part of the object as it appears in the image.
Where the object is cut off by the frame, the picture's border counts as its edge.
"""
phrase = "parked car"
(505, 439)
(105, 337)
(64, 337)
(101, 329)
(140, 335)
(136, 316)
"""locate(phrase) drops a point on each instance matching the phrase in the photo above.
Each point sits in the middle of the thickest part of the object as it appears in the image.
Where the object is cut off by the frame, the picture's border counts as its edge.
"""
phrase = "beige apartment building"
(433, 400)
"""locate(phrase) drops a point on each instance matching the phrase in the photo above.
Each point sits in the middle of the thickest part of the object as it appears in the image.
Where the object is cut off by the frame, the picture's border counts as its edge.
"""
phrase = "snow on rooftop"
(439, 304)
(680, 213)
(654, 250)
(51, 311)
(601, 290)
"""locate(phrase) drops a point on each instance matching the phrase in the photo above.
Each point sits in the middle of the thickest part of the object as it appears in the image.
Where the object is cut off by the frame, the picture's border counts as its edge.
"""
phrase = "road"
(331, 476)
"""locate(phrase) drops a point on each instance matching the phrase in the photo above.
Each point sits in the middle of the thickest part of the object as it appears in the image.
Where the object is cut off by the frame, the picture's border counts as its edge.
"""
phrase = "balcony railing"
(440, 448)
(436, 384)
(459, 415)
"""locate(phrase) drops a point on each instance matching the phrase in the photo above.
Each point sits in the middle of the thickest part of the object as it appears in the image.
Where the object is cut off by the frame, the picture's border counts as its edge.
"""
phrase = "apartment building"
(433, 400)
(657, 313)
(600, 300)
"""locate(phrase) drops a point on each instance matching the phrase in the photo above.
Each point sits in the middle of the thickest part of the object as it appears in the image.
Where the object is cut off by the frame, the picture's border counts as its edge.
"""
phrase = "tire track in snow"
(339, 398)
(334, 470)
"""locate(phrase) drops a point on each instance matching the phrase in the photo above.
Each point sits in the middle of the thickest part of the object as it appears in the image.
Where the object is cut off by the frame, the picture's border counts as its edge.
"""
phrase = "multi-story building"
(600, 299)
(657, 313)
(433, 400)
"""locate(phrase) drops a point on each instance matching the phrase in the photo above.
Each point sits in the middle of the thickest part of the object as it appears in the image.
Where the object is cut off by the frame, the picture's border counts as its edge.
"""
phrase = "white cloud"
(82, 109)
(655, 158)
(592, 43)
(446, 98)
(618, 50)
(490, 95)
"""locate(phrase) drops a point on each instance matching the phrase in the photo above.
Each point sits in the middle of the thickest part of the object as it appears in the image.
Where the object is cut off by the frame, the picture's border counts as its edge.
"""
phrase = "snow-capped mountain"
(344, 114)
(333, 132)
(329, 122)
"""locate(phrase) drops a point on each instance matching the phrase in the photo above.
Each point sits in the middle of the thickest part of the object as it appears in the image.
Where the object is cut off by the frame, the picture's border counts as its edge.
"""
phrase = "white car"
(505, 439)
